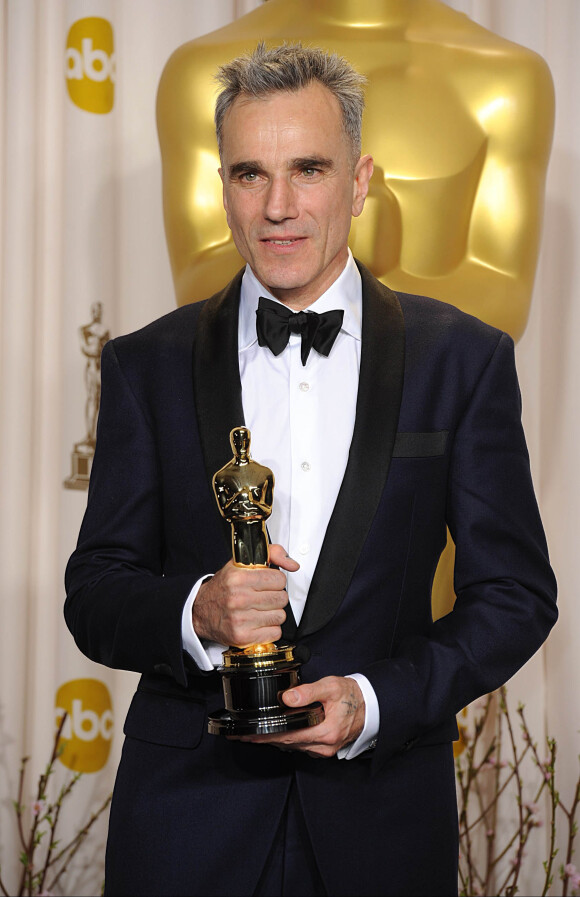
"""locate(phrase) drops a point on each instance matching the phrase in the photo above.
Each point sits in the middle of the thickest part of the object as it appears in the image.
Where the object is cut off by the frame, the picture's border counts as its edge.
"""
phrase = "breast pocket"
(431, 444)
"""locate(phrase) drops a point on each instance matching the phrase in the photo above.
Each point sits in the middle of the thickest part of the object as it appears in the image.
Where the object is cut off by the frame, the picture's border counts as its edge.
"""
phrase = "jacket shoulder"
(177, 328)
(171, 329)
(431, 320)
(424, 312)
(448, 336)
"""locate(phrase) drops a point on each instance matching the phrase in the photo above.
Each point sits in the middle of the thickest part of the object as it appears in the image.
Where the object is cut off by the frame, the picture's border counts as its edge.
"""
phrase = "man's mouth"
(288, 241)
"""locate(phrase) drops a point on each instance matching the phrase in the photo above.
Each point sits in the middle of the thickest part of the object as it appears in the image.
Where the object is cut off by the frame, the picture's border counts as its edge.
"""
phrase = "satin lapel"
(377, 414)
(216, 378)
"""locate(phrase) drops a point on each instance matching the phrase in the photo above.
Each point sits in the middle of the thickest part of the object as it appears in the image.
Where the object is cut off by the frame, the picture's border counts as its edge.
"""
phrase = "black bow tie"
(275, 323)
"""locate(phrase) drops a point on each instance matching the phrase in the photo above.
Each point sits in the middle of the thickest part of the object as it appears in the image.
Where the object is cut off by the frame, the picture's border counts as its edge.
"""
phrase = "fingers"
(344, 710)
(242, 607)
(318, 741)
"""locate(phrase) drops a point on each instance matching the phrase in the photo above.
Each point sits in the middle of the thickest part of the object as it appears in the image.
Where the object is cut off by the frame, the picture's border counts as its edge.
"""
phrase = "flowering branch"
(33, 878)
(480, 752)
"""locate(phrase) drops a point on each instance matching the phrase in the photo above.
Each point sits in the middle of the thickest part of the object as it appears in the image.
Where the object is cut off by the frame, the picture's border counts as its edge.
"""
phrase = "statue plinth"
(81, 464)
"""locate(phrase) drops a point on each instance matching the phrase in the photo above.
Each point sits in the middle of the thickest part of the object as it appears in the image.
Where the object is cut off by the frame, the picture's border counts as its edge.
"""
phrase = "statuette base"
(253, 683)
(81, 464)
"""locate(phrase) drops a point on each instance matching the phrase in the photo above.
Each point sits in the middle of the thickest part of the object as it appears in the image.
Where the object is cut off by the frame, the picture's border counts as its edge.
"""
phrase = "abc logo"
(88, 728)
(90, 65)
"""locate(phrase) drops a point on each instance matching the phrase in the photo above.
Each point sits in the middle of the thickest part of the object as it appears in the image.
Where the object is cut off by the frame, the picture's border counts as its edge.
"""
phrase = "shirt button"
(305, 466)
(304, 548)
(304, 386)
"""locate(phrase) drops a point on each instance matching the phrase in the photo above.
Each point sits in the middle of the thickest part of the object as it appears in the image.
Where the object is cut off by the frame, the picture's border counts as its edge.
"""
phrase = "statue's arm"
(514, 108)
(198, 239)
(225, 497)
(505, 226)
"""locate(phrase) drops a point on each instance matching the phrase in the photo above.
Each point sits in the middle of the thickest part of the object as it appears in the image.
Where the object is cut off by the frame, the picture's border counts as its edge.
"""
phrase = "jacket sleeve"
(120, 607)
(505, 588)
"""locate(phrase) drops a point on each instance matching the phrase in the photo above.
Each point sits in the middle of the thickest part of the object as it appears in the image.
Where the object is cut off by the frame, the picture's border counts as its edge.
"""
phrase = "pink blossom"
(534, 818)
(573, 875)
(38, 807)
(493, 763)
(516, 861)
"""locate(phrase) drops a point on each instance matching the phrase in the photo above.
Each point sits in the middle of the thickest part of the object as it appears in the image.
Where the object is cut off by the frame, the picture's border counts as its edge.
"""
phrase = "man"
(405, 420)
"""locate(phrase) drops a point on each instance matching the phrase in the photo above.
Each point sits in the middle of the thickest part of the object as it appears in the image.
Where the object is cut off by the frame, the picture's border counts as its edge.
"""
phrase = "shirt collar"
(344, 293)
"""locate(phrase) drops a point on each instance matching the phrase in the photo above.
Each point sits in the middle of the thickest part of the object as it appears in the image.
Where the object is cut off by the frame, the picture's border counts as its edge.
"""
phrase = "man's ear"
(363, 173)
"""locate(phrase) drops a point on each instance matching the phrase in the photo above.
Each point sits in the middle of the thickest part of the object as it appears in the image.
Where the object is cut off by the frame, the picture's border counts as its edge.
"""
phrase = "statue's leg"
(260, 551)
(250, 543)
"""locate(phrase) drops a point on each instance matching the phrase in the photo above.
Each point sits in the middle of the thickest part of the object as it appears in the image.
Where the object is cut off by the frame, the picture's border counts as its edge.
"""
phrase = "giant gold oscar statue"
(459, 122)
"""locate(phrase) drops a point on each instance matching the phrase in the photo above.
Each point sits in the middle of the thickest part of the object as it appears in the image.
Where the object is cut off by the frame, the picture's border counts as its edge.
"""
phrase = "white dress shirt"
(301, 420)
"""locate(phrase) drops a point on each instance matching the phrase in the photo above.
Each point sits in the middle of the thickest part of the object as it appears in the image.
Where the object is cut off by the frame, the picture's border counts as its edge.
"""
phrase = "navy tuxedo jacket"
(437, 442)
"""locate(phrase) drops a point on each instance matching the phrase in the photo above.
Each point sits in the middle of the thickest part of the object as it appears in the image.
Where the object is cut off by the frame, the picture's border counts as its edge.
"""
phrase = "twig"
(32, 882)
(76, 842)
(548, 772)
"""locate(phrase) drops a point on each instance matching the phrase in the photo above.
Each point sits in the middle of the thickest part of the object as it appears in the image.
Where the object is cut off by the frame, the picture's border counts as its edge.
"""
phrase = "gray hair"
(291, 67)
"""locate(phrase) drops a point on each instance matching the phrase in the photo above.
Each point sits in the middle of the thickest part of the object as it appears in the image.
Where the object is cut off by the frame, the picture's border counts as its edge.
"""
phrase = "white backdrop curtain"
(81, 223)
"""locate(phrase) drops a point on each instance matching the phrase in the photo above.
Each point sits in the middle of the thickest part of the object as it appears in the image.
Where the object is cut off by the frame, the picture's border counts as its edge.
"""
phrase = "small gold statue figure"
(93, 337)
(254, 677)
(244, 491)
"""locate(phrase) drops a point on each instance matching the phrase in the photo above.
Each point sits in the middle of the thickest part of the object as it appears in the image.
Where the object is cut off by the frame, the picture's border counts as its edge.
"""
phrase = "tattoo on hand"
(351, 705)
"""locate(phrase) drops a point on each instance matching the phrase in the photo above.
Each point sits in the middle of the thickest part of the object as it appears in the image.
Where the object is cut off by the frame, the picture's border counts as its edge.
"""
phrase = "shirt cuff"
(368, 736)
(206, 654)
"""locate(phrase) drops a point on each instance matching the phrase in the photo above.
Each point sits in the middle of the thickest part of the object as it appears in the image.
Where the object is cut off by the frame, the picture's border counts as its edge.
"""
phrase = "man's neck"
(299, 299)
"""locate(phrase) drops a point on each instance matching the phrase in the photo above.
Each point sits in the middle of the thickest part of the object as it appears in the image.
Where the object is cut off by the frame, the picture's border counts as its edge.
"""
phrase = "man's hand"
(344, 710)
(244, 606)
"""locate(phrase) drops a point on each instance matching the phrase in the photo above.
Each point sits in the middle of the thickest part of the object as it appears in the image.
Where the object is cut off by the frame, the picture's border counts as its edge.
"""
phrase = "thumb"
(279, 556)
(298, 696)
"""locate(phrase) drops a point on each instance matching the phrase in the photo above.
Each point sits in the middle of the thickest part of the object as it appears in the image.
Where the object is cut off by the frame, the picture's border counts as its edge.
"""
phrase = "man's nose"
(281, 200)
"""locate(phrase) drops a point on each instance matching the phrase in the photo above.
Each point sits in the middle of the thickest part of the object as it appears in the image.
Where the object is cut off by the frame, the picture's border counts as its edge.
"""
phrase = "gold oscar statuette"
(93, 337)
(254, 677)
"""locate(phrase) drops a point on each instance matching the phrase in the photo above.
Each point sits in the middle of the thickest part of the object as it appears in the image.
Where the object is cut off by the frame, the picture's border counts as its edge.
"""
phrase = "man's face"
(290, 189)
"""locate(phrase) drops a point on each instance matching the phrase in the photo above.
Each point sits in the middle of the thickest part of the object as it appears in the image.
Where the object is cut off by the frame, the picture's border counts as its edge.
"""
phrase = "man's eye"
(309, 172)
(249, 176)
